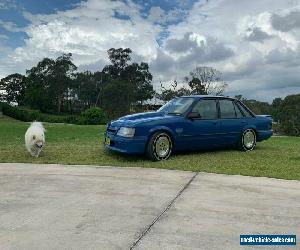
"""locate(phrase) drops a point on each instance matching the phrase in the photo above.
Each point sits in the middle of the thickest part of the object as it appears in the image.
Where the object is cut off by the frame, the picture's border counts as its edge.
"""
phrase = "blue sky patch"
(121, 16)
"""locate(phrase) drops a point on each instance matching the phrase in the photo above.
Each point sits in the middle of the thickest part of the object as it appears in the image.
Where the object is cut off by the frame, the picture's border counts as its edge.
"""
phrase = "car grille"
(112, 129)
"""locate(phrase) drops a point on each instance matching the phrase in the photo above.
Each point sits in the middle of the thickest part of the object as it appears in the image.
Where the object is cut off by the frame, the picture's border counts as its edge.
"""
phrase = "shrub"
(19, 113)
(28, 115)
(72, 119)
(288, 115)
(93, 116)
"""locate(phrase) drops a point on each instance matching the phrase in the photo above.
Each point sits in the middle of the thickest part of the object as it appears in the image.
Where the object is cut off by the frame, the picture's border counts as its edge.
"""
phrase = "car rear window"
(238, 112)
(244, 110)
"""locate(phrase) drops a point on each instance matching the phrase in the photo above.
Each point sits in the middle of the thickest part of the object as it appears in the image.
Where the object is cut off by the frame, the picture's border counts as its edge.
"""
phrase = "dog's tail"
(38, 124)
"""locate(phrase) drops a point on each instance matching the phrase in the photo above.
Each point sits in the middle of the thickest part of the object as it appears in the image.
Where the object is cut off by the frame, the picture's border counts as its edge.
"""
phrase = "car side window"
(227, 109)
(238, 112)
(207, 109)
(244, 110)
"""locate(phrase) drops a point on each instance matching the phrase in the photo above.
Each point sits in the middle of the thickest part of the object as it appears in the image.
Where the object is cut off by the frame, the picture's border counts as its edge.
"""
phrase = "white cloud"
(251, 42)
(86, 31)
(287, 20)
(156, 14)
(246, 28)
(10, 26)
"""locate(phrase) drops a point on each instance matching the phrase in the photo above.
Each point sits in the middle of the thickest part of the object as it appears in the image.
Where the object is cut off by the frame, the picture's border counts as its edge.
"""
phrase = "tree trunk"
(59, 105)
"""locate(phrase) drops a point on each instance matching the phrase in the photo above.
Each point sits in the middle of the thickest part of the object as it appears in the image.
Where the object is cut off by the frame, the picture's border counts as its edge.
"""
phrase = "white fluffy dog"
(35, 138)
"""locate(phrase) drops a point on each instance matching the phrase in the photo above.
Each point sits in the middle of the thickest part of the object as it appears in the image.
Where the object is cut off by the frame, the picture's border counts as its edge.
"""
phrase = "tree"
(140, 78)
(206, 80)
(61, 80)
(116, 102)
(49, 83)
(38, 83)
(276, 108)
(100, 80)
(53, 86)
(288, 114)
(12, 89)
(169, 94)
(134, 79)
(85, 87)
(119, 59)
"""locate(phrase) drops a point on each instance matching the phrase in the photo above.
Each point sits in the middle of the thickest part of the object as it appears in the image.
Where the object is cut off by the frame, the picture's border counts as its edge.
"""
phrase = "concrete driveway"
(80, 207)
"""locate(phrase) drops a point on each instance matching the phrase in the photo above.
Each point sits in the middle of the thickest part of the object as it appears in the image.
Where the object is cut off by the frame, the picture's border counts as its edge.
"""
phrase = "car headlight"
(126, 132)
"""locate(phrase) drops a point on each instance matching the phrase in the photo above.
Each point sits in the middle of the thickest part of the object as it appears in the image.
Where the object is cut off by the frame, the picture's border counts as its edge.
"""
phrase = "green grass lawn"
(279, 157)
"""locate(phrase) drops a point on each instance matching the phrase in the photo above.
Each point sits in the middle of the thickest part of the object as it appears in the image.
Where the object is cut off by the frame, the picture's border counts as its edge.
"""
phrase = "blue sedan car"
(188, 123)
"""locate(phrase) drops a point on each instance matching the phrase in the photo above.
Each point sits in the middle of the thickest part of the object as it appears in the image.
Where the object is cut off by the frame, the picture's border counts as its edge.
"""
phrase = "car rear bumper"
(126, 145)
(264, 135)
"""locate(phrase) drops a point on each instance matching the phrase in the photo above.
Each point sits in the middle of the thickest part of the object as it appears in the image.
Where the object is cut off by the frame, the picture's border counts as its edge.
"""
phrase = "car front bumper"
(135, 145)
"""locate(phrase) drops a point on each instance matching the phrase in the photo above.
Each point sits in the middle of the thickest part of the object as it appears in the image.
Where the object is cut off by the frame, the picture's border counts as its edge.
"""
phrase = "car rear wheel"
(159, 146)
(248, 140)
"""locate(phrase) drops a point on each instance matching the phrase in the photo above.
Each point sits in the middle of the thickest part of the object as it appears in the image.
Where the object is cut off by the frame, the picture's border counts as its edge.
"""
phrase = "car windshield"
(177, 106)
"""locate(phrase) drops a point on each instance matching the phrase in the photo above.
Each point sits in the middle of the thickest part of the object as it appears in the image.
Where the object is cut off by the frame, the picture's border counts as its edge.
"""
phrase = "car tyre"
(248, 140)
(159, 146)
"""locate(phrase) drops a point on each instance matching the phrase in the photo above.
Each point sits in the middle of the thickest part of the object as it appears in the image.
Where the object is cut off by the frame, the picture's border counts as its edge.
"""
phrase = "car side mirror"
(194, 115)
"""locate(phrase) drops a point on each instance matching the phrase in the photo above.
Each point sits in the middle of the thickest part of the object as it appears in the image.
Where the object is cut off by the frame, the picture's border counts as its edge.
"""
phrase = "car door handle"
(243, 122)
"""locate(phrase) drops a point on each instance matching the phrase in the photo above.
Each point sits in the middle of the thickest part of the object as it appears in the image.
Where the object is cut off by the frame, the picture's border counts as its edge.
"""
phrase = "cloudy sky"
(255, 44)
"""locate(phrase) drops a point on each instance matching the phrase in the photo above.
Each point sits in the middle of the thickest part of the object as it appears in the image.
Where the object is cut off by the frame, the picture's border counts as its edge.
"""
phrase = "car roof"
(210, 96)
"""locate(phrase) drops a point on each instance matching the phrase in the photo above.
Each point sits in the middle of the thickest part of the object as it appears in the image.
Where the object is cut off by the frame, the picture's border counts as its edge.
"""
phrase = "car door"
(232, 122)
(202, 132)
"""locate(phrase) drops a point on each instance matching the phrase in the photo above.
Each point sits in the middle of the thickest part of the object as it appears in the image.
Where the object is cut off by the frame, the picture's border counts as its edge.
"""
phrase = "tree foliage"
(131, 83)
(168, 94)
(201, 81)
(48, 84)
(86, 88)
(12, 89)
(55, 86)
(205, 81)
(94, 116)
(119, 59)
(288, 114)
(117, 98)
(139, 77)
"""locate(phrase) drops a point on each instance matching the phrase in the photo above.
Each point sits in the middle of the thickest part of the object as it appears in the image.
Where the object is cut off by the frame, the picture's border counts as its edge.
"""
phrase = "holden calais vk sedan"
(189, 123)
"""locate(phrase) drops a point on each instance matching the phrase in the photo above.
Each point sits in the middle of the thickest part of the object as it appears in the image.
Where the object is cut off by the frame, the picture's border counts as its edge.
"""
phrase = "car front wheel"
(159, 146)
(248, 140)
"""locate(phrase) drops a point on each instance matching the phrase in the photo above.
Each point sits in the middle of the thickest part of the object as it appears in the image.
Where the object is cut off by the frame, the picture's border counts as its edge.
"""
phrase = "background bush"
(288, 115)
(90, 116)
(93, 116)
